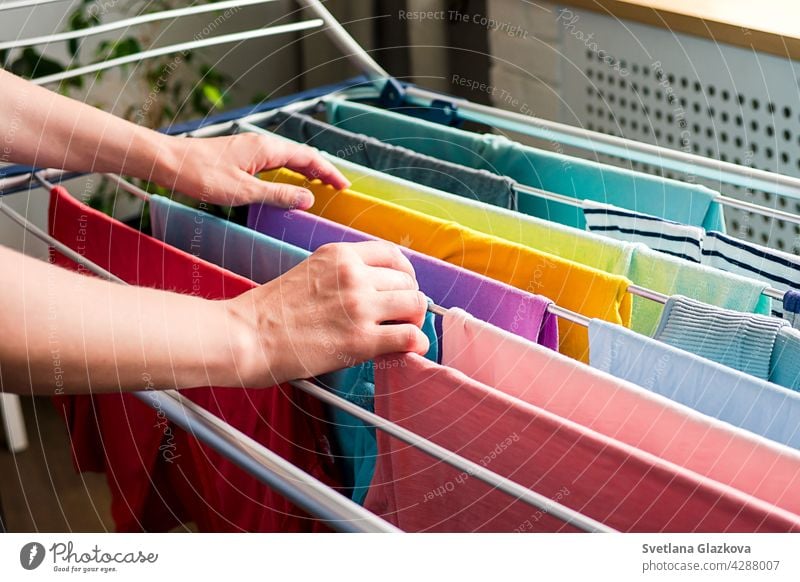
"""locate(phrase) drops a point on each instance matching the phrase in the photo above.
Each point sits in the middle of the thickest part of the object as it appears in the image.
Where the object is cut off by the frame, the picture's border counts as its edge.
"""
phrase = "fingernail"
(304, 201)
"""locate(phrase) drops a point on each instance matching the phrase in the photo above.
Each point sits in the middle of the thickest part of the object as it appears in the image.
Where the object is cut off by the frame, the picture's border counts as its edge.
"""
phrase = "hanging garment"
(602, 478)
(657, 271)
(708, 285)
(158, 474)
(571, 176)
(506, 307)
(711, 388)
(764, 347)
(784, 368)
(664, 236)
(399, 161)
(791, 307)
(744, 342)
(621, 410)
(550, 237)
(263, 259)
(781, 270)
(714, 249)
(570, 285)
(221, 242)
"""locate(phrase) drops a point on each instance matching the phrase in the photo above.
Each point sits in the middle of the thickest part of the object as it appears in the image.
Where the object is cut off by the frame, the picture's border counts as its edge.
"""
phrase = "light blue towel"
(742, 341)
(580, 179)
(711, 388)
(262, 258)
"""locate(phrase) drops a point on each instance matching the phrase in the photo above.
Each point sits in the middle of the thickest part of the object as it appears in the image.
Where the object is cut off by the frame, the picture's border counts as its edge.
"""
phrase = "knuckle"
(326, 249)
(287, 195)
(422, 302)
(354, 308)
(399, 260)
(348, 274)
(333, 251)
(410, 338)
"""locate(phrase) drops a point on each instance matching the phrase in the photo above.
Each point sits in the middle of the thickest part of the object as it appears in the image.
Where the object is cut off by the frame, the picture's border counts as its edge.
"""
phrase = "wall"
(657, 86)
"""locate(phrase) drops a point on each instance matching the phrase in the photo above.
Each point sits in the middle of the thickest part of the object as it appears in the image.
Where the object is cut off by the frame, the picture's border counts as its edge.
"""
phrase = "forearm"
(45, 129)
(64, 332)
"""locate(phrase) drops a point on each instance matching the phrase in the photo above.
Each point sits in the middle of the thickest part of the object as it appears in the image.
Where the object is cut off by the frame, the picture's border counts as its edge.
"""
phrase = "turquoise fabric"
(643, 266)
(580, 179)
(785, 362)
(401, 162)
(262, 258)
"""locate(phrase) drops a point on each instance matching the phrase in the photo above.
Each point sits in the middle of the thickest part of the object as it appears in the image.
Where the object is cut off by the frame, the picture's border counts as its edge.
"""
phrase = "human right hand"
(348, 303)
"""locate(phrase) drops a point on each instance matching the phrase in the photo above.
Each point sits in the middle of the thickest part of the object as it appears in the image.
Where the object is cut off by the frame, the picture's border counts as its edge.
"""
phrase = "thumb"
(279, 194)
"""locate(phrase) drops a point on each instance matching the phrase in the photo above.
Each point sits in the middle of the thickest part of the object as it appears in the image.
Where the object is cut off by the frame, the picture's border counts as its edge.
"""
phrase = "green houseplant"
(177, 87)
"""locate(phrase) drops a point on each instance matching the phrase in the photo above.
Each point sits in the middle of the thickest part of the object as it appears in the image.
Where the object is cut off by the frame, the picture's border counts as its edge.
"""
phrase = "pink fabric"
(612, 482)
(621, 410)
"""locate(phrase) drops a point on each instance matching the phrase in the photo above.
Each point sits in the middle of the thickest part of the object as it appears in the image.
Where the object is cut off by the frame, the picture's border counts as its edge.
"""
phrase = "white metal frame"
(308, 493)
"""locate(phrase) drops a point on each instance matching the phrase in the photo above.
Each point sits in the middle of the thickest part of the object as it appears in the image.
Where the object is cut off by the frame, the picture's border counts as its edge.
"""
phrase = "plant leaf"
(213, 95)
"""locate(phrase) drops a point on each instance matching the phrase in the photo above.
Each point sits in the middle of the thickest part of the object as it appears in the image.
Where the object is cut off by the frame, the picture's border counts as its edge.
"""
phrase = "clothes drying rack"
(319, 500)
(302, 489)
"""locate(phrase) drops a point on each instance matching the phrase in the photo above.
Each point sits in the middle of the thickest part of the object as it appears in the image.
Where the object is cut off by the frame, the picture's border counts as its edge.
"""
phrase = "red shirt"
(159, 475)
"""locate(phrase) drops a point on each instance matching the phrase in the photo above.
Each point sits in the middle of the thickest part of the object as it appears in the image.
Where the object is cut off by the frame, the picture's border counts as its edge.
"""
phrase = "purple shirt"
(447, 285)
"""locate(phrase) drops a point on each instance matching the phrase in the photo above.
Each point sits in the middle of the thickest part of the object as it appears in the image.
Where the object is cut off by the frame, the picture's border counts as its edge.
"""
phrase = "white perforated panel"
(691, 94)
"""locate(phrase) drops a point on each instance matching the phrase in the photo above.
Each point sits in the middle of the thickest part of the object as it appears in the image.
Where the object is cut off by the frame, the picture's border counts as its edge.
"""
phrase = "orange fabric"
(576, 287)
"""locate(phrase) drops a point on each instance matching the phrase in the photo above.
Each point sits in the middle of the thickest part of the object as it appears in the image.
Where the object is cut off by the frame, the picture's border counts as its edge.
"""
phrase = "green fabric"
(672, 276)
(644, 267)
(582, 247)
(580, 179)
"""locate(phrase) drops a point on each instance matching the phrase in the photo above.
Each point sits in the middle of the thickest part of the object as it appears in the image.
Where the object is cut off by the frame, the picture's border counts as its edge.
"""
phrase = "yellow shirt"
(576, 287)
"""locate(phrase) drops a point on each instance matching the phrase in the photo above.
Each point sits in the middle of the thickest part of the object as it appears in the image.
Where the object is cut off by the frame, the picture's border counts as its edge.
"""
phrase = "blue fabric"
(761, 407)
(263, 258)
(791, 306)
(791, 301)
(681, 202)
(742, 341)
(195, 124)
(785, 362)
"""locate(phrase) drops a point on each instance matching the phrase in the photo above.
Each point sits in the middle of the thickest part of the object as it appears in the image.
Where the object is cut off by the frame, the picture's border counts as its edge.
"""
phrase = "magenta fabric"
(622, 410)
(612, 482)
(511, 309)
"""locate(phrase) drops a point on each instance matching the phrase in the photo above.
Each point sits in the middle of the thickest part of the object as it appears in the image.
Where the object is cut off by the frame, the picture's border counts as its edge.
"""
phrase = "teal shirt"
(262, 258)
(574, 177)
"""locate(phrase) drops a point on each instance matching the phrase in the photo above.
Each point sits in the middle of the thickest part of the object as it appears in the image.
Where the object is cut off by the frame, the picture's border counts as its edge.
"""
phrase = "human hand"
(346, 304)
(221, 170)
